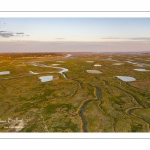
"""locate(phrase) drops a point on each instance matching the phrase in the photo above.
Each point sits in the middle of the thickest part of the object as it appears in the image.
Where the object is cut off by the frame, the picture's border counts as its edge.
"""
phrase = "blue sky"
(98, 31)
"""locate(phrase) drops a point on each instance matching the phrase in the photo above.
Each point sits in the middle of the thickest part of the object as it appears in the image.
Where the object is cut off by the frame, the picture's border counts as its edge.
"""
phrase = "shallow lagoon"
(4, 72)
(97, 65)
(138, 63)
(126, 78)
(46, 78)
(142, 70)
(31, 72)
(94, 71)
(55, 64)
(117, 64)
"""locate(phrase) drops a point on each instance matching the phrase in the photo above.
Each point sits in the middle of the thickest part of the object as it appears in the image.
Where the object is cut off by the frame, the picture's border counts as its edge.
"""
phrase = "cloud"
(19, 33)
(6, 34)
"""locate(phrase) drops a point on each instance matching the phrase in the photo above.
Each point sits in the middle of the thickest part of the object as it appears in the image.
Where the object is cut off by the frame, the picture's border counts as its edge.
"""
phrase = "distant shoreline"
(142, 52)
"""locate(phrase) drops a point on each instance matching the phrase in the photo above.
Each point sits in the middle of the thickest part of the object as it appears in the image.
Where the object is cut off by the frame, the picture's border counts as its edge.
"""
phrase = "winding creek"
(80, 112)
(98, 95)
(61, 69)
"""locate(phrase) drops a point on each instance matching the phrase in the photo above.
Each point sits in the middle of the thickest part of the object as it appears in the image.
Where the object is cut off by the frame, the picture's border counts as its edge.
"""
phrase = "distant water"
(126, 78)
(68, 55)
(94, 71)
(52, 66)
(62, 72)
(138, 63)
(110, 59)
(31, 72)
(4, 72)
(117, 64)
(55, 64)
(142, 70)
(46, 78)
(96, 65)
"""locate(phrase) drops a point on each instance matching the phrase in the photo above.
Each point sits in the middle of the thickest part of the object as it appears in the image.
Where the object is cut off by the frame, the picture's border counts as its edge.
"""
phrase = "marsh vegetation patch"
(143, 85)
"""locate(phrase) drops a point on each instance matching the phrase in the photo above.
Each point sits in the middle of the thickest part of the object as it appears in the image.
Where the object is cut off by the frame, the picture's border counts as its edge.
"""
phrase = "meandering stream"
(61, 69)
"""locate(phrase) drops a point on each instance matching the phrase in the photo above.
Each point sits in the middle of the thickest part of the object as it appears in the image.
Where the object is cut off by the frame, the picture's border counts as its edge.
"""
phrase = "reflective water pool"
(126, 78)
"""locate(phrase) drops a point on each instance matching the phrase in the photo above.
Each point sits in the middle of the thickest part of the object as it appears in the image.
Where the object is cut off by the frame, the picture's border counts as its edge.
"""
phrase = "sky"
(74, 34)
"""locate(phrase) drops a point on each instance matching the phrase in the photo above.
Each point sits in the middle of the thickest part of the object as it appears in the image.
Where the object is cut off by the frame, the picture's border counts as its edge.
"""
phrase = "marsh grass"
(123, 107)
